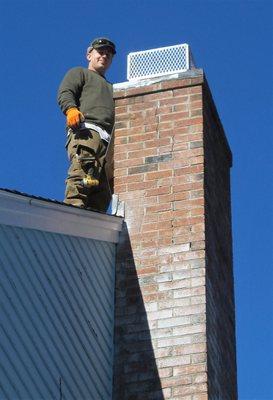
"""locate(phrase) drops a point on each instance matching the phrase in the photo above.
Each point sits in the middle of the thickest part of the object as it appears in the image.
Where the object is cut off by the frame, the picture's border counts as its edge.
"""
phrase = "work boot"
(74, 202)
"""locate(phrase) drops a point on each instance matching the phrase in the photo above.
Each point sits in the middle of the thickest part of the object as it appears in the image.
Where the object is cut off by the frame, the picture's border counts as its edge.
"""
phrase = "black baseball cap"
(102, 42)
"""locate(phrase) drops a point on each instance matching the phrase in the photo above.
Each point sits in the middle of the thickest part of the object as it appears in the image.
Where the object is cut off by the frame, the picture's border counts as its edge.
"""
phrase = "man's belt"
(102, 132)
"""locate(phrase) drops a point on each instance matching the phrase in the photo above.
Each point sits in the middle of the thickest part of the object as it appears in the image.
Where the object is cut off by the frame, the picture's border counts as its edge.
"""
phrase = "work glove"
(74, 117)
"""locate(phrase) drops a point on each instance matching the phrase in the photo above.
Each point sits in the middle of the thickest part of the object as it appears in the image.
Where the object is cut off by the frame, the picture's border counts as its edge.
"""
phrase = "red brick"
(163, 109)
(172, 382)
(147, 271)
(128, 147)
(185, 195)
(142, 153)
(196, 112)
(195, 97)
(159, 208)
(189, 369)
(128, 163)
(190, 389)
(143, 137)
(164, 216)
(158, 175)
(196, 160)
(185, 154)
(121, 156)
(120, 172)
(174, 164)
(138, 130)
(196, 104)
(142, 106)
(121, 109)
(143, 121)
(120, 140)
(174, 83)
(188, 121)
(198, 211)
(158, 191)
(186, 221)
(121, 132)
(180, 107)
(119, 102)
(179, 100)
(190, 169)
(157, 143)
(195, 89)
(164, 125)
(152, 200)
(168, 133)
(200, 396)
(158, 96)
(141, 185)
(152, 128)
(165, 232)
(121, 117)
(174, 116)
(180, 92)
(129, 179)
(120, 188)
(165, 149)
(188, 186)
(186, 137)
(121, 125)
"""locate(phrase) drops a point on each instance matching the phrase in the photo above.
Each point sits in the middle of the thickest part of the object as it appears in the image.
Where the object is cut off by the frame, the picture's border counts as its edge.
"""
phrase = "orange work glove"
(73, 117)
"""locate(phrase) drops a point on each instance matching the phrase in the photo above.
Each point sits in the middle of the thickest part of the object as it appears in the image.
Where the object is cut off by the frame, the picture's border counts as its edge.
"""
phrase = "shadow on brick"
(135, 371)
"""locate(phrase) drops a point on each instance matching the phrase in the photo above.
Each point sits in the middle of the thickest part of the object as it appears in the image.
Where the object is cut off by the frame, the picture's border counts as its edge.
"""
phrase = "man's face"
(100, 60)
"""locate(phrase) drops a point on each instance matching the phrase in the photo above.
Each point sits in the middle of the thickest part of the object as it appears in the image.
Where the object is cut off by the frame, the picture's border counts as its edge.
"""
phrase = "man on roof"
(86, 98)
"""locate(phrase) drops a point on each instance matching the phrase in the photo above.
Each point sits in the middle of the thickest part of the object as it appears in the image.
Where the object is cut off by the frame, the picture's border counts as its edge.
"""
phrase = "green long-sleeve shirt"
(91, 94)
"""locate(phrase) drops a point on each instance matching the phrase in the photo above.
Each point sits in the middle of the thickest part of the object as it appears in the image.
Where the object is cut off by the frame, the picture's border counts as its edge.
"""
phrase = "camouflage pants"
(84, 143)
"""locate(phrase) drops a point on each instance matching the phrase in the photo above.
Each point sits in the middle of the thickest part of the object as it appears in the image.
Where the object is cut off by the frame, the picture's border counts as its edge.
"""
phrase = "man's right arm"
(69, 94)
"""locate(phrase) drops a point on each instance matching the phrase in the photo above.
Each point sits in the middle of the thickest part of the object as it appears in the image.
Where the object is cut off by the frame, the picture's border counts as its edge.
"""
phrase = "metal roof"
(23, 210)
(57, 284)
(57, 312)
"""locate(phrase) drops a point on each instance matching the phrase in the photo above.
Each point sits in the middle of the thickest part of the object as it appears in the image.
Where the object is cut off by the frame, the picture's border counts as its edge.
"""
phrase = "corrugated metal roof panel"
(57, 301)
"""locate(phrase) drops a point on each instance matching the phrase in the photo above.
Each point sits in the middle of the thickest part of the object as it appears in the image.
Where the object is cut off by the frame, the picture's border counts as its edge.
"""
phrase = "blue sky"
(232, 41)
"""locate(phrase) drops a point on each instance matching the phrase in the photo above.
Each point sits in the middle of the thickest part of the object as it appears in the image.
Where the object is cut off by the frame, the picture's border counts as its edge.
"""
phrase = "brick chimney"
(175, 334)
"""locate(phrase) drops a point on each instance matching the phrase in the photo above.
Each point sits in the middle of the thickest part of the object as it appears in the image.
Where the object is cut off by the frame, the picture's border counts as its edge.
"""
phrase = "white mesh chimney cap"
(159, 62)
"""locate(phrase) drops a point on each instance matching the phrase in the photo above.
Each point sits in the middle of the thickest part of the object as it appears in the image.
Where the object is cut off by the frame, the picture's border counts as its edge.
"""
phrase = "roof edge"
(28, 212)
(139, 83)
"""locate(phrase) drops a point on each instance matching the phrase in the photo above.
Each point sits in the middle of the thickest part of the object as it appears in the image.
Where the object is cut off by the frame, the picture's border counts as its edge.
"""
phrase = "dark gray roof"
(44, 199)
